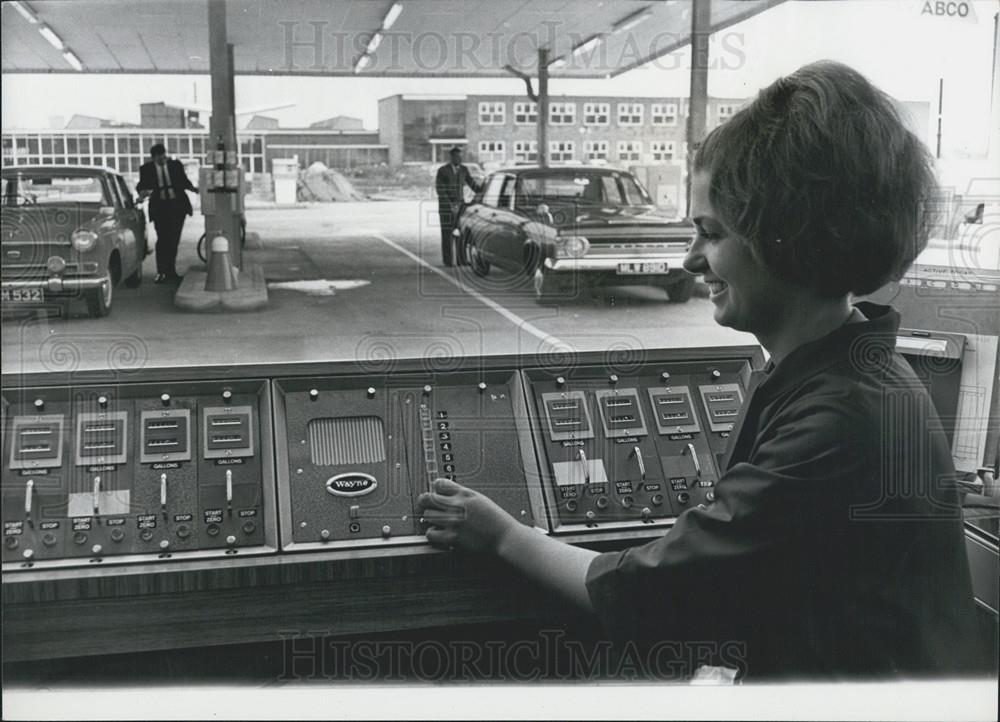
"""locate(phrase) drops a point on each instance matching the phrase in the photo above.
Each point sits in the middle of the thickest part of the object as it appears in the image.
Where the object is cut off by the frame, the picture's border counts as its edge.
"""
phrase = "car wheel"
(480, 266)
(135, 280)
(680, 291)
(99, 299)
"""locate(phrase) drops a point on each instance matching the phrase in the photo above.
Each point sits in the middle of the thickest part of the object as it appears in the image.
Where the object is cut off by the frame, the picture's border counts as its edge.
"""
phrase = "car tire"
(480, 266)
(99, 300)
(680, 291)
(135, 280)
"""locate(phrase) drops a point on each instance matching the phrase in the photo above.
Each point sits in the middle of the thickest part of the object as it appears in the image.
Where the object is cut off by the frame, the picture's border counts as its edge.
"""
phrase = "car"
(570, 226)
(68, 232)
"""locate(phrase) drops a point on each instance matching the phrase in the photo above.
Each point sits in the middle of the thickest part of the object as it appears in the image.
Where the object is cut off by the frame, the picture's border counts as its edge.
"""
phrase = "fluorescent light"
(630, 21)
(374, 42)
(74, 61)
(363, 62)
(390, 17)
(54, 40)
(26, 12)
(587, 45)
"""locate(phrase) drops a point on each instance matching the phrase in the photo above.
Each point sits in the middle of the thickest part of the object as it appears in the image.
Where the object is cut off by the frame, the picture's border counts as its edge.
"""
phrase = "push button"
(683, 497)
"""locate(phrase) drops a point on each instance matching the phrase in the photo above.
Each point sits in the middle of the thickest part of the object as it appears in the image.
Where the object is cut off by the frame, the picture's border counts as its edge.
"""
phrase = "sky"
(898, 46)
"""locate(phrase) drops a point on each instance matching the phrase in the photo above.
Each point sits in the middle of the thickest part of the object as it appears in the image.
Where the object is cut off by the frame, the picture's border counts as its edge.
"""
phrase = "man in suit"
(450, 182)
(165, 183)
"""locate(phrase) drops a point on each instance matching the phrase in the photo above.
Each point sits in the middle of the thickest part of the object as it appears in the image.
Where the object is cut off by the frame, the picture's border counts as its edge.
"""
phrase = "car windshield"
(607, 189)
(47, 189)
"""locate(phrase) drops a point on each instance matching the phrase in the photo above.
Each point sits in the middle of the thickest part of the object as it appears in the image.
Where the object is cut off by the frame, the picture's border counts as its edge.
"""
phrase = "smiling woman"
(807, 556)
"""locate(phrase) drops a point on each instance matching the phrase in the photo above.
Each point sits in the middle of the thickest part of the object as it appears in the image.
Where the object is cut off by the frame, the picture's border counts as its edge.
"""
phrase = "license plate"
(648, 268)
(22, 295)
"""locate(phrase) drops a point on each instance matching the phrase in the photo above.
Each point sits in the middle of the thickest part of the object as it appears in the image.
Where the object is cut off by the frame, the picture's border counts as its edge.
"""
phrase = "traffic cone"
(220, 266)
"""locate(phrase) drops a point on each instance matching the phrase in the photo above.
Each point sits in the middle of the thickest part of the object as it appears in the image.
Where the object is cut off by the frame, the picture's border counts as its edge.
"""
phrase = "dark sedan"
(69, 232)
(566, 226)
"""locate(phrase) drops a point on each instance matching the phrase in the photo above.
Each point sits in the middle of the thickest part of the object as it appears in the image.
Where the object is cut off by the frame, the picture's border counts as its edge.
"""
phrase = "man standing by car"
(165, 183)
(450, 182)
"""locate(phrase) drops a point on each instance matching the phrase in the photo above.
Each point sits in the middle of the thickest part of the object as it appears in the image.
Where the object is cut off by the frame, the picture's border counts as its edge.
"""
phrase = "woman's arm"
(463, 518)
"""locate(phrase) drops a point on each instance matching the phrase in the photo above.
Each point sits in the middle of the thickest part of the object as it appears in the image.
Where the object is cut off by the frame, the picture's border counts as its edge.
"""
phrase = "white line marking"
(485, 300)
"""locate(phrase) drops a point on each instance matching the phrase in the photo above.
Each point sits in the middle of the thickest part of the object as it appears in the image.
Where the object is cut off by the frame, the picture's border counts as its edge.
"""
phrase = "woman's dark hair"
(823, 181)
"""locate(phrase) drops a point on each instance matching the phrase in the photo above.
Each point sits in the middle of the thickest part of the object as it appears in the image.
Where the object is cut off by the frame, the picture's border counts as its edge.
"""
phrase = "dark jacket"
(449, 184)
(835, 544)
(158, 207)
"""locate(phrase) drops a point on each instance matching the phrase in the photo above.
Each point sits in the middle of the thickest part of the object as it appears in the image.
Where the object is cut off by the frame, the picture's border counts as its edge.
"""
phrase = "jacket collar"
(873, 340)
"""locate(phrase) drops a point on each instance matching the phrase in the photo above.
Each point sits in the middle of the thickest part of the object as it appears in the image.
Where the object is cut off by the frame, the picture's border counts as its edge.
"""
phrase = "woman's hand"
(463, 518)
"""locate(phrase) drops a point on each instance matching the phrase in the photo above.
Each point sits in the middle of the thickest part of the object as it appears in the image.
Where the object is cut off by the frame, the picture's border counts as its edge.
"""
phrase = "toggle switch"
(230, 541)
(560, 381)
(229, 490)
(665, 376)
(642, 465)
(29, 488)
(325, 535)
(354, 511)
(39, 405)
(165, 544)
(694, 460)
(716, 374)
(481, 386)
(227, 396)
(28, 554)
(102, 401)
(613, 378)
(647, 513)
(96, 550)
(387, 531)
(163, 493)
(371, 392)
(97, 495)
(582, 456)
(313, 394)
(590, 516)
(165, 399)
(427, 389)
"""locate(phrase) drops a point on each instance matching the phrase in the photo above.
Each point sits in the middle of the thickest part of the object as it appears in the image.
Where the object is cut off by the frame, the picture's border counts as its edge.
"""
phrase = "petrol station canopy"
(431, 38)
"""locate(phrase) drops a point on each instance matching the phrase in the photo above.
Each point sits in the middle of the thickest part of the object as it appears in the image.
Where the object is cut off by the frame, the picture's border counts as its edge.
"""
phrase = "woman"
(834, 546)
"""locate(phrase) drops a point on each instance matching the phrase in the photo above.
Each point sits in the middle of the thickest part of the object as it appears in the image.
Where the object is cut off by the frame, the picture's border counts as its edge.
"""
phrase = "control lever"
(229, 491)
(694, 459)
(29, 487)
(163, 493)
(642, 465)
(586, 467)
(97, 495)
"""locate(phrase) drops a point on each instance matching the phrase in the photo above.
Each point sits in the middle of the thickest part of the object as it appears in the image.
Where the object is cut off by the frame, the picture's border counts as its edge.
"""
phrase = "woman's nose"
(694, 261)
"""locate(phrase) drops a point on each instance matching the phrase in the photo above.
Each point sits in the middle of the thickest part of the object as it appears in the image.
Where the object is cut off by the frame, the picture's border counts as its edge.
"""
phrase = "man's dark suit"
(450, 182)
(167, 214)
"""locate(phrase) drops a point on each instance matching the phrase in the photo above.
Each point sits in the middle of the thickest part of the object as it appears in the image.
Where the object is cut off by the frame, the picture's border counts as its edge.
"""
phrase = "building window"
(561, 151)
(726, 111)
(492, 151)
(664, 113)
(526, 113)
(526, 151)
(596, 113)
(562, 113)
(595, 150)
(663, 150)
(492, 113)
(630, 150)
(630, 114)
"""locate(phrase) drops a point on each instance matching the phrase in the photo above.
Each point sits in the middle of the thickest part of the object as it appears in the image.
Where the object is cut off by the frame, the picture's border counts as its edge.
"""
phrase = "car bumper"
(55, 284)
(610, 264)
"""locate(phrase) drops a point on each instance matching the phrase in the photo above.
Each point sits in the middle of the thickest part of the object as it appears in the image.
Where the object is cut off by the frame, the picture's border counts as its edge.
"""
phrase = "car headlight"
(572, 246)
(83, 240)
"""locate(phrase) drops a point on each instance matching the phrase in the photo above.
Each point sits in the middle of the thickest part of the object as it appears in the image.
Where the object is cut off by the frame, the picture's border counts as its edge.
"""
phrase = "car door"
(486, 232)
(509, 226)
(134, 219)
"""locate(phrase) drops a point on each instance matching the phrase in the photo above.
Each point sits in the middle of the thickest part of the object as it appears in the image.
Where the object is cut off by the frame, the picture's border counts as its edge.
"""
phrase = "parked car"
(567, 226)
(68, 232)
